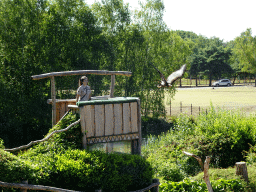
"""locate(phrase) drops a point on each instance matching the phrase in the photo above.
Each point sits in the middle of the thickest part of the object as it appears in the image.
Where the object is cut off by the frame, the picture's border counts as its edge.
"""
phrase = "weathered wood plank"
(112, 86)
(99, 120)
(83, 125)
(118, 119)
(58, 105)
(53, 96)
(80, 72)
(89, 121)
(63, 108)
(134, 117)
(126, 118)
(109, 119)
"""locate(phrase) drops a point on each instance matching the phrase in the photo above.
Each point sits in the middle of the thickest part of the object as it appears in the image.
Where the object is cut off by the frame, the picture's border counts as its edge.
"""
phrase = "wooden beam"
(80, 72)
(112, 86)
(53, 96)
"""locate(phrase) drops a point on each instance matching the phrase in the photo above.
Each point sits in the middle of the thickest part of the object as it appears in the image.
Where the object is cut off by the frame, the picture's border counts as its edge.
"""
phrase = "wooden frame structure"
(77, 72)
(103, 119)
(115, 119)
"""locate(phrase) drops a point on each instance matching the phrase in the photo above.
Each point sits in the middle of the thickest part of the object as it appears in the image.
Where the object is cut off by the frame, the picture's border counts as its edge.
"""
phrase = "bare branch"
(42, 140)
(196, 157)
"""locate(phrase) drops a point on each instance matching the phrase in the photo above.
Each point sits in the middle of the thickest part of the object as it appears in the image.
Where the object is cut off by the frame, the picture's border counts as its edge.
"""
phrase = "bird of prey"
(171, 78)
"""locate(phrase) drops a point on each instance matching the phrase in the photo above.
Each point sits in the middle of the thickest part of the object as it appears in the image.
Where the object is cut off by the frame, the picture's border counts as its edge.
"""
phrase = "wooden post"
(181, 107)
(24, 182)
(191, 109)
(155, 189)
(241, 169)
(53, 96)
(204, 167)
(112, 86)
(139, 127)
(206, 175)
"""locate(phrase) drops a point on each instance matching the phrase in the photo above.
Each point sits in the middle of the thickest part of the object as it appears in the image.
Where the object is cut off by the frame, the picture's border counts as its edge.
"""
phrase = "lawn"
(236, 97)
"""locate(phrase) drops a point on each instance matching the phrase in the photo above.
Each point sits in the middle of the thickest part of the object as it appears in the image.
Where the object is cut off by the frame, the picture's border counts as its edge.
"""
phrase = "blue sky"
(225, 19)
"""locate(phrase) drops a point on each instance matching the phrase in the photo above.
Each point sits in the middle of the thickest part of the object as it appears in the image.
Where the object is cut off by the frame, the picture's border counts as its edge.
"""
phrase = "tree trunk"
(210, 80)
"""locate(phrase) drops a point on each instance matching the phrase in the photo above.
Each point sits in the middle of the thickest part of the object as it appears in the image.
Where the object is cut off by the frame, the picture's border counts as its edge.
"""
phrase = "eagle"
(171, 78)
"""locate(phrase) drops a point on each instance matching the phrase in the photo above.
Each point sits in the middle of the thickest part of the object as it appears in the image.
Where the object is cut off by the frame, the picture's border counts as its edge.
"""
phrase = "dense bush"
(13, 169)
(59, 162)
(223, 135)
(196, 186)
(88, 171)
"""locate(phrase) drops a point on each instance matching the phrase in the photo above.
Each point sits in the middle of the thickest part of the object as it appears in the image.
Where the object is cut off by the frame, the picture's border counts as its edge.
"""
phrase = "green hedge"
(196, 186)
(13, 169)
(60, 162)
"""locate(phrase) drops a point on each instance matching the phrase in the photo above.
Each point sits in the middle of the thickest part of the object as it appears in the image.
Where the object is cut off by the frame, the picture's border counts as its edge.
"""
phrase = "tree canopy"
(41, 36)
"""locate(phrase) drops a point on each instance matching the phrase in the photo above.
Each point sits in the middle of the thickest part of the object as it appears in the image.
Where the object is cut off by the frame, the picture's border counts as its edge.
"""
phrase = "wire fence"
(205, 82)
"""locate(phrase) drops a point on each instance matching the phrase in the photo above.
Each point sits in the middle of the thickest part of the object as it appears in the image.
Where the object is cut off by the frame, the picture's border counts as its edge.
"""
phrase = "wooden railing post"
(53, 96)
(24, 182)
(155, 189)
(112, 86)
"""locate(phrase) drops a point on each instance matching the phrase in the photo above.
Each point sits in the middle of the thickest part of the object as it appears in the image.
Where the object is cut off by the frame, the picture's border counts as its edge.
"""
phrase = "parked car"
(222, 82)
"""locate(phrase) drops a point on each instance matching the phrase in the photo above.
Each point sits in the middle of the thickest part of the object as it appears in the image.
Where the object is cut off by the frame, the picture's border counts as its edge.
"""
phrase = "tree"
(245, 52)
(212, 60)
(38, 36)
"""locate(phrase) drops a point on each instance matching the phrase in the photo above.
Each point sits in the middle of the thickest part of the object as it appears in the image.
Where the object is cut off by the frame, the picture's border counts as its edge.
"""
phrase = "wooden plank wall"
(62, 108)
(109, 119)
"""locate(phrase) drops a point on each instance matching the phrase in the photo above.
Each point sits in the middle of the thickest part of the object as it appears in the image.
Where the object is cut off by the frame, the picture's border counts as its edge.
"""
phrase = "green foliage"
(90, 170)
(59, 142)
(250, 155)
(1, 144)
(244, 51)
(84, 170)
(60, 159)
(13, 169)
(196, 186)
(220, 134)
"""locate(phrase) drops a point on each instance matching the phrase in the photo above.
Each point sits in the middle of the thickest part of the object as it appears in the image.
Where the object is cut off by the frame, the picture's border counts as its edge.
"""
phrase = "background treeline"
(41, 36)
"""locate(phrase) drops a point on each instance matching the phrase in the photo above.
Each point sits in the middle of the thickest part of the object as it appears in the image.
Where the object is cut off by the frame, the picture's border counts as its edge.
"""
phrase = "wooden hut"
(105, 119)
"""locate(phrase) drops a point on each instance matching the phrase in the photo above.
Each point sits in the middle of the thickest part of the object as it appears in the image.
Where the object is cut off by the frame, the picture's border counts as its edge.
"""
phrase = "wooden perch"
(80, 72)
(42, 140)
(204, 167)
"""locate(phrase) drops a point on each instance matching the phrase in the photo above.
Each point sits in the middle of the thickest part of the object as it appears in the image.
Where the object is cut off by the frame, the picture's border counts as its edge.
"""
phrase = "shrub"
(1, 144)
(90, 170)
(59, 162)
(13, 169)
(221, 134)
(196, 186)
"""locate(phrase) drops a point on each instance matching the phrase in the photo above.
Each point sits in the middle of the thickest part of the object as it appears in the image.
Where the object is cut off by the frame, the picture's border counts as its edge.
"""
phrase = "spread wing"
(175, 75)
(163, 82)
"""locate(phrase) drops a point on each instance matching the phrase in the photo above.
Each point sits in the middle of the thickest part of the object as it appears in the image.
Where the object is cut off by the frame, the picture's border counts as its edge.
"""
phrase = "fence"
(187, 109)
(24, 186)
(205, 82)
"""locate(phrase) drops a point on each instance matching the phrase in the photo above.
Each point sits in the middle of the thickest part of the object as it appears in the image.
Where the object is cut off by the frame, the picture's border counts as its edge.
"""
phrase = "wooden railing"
(154, 187)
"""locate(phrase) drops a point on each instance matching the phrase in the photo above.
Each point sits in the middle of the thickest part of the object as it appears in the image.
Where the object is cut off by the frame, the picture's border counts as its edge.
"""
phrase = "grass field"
(231, 98)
